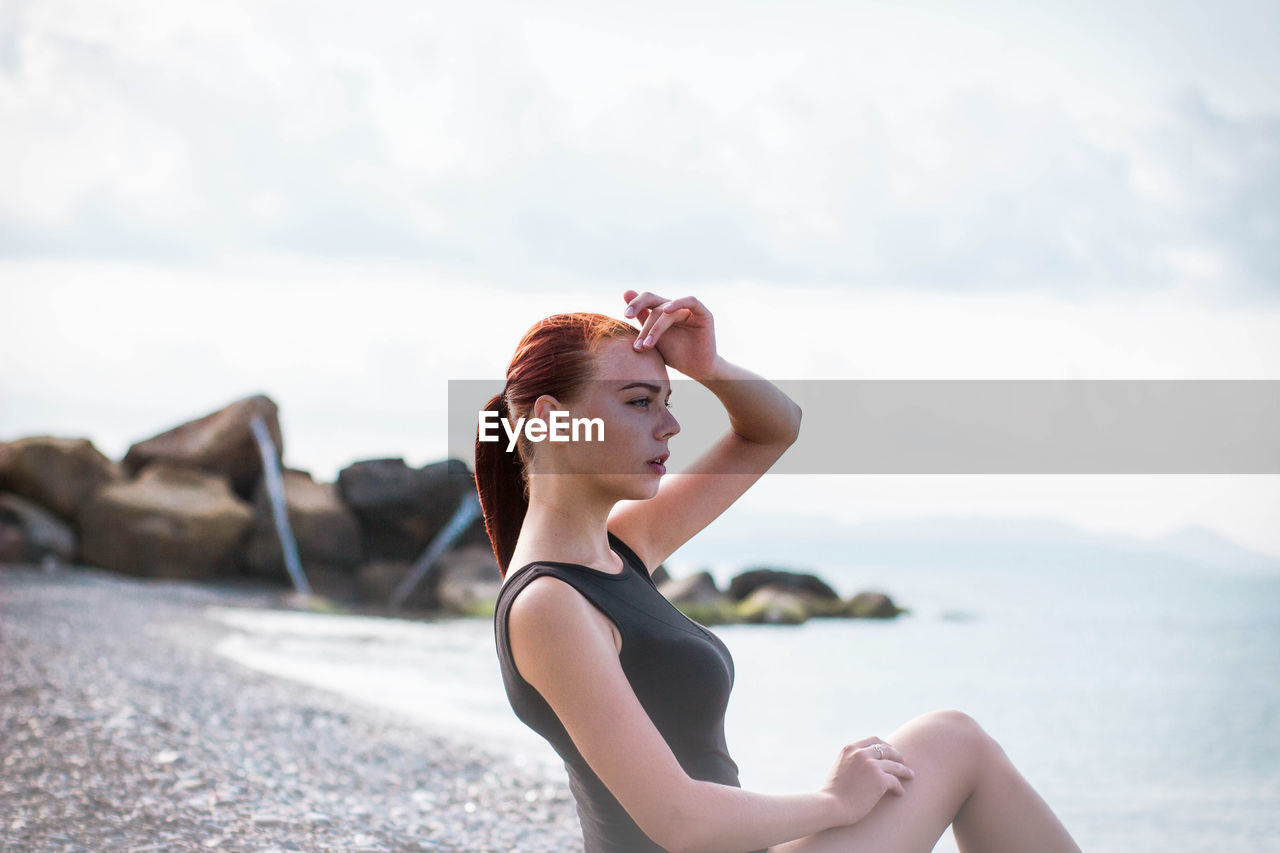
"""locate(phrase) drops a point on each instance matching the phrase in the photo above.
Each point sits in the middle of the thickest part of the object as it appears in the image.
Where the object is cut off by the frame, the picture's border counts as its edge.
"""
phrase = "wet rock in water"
(698, 597)
(326, 531)
(221, 443)
(401, 509)
(872, 605)
(747, 582)
(170, 522)
(771, 605)
(43, 533)
(467, 581)
(58, 473)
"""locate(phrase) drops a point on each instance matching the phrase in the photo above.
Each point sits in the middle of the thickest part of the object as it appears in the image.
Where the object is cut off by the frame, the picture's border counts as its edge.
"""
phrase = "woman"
(626, 689)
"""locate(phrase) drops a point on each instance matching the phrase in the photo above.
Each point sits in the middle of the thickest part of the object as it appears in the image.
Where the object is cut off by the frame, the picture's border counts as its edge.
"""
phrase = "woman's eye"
(644, 400)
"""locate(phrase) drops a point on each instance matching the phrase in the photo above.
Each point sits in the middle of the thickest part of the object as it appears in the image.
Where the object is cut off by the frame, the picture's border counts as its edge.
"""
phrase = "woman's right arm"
(568, 655)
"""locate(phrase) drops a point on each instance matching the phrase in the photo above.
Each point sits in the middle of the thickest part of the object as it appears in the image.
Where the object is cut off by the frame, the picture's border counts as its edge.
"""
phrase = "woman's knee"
(961, 730)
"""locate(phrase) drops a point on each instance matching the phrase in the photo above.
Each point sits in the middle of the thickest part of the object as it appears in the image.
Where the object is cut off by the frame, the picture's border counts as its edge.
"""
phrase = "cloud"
(470, 141)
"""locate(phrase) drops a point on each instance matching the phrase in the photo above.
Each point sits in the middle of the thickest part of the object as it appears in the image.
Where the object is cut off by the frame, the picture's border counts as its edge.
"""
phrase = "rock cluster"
(771, 596)
(191, 503)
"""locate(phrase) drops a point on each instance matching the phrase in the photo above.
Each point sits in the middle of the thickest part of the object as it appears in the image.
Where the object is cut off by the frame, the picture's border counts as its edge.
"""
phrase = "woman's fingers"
(688, 302)
(890, 752)
(641, 301)
(640, 306)
(895, 768)
(653, 329)
(654, 322)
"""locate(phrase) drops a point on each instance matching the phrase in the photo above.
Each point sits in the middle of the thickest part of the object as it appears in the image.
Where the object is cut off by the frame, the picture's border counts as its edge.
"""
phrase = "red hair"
(556, 357)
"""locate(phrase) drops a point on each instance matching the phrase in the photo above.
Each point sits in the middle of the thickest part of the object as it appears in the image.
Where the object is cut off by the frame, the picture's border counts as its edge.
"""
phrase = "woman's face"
(629, 395)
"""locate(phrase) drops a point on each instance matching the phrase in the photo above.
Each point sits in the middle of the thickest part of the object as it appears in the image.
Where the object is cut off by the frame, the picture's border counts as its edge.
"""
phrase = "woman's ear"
(544, 406)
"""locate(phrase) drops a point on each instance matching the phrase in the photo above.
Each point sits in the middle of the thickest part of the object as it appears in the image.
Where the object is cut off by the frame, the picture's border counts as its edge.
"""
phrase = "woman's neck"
(567, 523)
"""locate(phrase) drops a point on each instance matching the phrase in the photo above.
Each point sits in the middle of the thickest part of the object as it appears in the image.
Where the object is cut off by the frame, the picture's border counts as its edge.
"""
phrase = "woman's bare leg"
(962, 777)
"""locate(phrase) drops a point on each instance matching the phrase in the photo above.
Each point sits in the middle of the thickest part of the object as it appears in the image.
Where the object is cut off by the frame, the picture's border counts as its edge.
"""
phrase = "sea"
(1142, 702)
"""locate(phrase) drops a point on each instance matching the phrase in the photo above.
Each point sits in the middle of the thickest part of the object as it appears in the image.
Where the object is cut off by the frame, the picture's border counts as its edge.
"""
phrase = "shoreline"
(122, 728)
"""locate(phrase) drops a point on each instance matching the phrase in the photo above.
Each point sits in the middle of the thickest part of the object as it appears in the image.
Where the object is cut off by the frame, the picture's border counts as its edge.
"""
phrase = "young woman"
(630, 692)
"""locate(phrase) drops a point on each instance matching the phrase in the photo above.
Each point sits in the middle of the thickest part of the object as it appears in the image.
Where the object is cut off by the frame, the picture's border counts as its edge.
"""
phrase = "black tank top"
(680, 672)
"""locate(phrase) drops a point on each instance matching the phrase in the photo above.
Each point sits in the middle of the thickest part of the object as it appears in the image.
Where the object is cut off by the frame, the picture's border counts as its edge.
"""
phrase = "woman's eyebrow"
(656, 389)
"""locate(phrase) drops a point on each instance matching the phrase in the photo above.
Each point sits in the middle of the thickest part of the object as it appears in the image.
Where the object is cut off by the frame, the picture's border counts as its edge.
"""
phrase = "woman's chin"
(640, 487)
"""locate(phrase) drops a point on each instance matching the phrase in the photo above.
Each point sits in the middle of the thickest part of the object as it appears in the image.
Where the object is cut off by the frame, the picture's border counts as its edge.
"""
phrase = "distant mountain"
(812, 543)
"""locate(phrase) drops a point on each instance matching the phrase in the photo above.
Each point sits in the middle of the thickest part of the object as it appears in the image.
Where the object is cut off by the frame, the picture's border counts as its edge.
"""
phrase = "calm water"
(1144, 705)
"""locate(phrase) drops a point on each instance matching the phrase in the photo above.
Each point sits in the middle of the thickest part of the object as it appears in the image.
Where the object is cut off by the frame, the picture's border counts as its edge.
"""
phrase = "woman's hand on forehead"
(681, 330)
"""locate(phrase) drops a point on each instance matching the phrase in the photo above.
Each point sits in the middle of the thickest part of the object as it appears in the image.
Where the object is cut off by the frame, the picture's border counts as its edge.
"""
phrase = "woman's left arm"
(763, 421)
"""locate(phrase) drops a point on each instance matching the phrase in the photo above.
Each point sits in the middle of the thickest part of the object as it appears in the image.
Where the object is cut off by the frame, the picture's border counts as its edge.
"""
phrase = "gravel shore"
(122, 730)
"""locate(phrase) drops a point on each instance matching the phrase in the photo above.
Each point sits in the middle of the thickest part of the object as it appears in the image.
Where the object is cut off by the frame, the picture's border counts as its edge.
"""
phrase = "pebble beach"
(121, 729)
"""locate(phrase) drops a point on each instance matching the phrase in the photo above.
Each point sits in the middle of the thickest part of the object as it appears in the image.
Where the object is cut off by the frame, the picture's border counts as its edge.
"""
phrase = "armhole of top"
(631, 555)
(533, 573)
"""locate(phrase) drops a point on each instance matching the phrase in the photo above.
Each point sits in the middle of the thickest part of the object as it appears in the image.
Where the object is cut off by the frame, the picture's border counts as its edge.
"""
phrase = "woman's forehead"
(619, 360)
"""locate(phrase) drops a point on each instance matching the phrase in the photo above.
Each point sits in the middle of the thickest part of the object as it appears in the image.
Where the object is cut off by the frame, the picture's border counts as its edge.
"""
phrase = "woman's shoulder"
(550, 613)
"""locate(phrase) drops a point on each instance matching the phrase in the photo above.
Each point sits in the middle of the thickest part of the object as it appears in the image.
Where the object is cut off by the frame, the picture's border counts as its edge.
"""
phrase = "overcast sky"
(345, 206)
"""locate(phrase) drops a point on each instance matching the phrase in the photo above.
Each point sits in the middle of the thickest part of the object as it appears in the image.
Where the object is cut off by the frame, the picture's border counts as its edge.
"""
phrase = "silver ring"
(879, 751)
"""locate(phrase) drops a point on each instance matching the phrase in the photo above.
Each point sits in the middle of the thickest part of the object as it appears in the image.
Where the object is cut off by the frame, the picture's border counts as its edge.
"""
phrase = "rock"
(377, 580)
(327, 532)
(57, 473)
(699, 588)
(771, 605)
(401, 508)
(13, 543)
(43, 533)
(467, 581)
(220, 443)
(746, 583)
(170, 522)
(698, 597)
(660, 575)
(871, 605)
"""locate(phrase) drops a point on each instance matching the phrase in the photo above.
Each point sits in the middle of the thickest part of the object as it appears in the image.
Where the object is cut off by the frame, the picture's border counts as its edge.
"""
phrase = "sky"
(345, 207)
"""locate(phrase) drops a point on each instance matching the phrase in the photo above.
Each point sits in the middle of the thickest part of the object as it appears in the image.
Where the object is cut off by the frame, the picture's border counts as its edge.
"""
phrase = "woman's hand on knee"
(864, 772)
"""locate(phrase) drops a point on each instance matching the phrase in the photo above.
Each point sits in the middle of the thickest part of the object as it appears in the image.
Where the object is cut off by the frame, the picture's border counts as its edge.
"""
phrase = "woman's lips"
(658, 467)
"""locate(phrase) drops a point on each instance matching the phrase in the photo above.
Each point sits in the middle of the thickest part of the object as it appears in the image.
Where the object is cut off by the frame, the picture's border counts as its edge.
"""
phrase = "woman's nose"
(670, 426)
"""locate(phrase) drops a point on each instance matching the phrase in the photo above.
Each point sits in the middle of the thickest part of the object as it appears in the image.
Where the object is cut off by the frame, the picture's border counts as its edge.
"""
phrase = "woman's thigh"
(945, 749)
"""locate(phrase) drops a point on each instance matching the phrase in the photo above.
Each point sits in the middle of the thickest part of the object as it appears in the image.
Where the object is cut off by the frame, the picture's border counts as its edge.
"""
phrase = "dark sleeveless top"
(680, 672)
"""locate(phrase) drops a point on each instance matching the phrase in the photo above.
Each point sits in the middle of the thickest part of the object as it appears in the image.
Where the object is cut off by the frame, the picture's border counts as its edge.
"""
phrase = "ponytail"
(503, 491)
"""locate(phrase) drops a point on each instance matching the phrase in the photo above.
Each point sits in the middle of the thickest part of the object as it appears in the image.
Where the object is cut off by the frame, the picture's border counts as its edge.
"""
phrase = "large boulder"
(43, 533)
(220, 443)
(747, 582)
(327, 532)
(402, 508)
(377, 580)
(57, 473)
(170, 522)
(467, 581)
